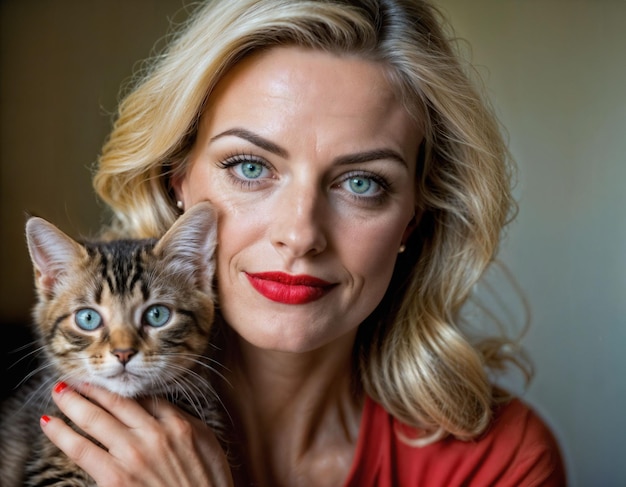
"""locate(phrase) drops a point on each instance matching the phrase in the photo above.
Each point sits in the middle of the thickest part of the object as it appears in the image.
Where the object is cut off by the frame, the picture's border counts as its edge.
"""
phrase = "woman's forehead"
(297, 87)
(292, 71)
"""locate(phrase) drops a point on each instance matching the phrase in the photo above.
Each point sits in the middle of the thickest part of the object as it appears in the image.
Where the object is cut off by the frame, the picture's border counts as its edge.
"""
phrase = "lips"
(289, 289)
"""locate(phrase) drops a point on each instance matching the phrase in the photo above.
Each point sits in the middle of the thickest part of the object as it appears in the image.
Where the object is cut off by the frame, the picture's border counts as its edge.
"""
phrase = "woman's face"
(310, 161)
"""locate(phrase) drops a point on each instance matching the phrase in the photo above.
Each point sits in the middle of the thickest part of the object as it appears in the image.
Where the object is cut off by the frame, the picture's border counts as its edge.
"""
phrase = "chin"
(122, 386)
(300, 343)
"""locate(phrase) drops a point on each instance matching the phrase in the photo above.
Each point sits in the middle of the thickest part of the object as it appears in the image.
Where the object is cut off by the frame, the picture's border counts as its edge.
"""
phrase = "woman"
(361, 185)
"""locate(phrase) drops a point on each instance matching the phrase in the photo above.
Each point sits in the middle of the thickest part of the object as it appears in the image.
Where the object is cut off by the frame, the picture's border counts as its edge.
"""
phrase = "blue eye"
(366, 186)
(157, 315)
(251, 170)
(360, 185)
(88, 319)
(247, 170)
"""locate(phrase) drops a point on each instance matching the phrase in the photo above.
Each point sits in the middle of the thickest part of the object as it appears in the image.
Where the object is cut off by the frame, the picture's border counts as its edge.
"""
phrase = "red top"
(517, 450)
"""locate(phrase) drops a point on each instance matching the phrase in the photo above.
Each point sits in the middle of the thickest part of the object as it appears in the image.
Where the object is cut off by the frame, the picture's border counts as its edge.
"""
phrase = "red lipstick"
(289, 289)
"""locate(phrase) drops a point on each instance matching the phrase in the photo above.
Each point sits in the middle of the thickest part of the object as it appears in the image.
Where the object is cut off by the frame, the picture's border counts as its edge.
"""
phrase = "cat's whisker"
(192, 400)
(202, 360)
(196, 399)
(212, 360)
(23, 347)
(40, 396)
(186, 377)
(36, 371)
(34, 351)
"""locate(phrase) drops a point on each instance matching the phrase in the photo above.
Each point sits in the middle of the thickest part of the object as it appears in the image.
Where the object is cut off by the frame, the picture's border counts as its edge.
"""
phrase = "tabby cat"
(132, 316)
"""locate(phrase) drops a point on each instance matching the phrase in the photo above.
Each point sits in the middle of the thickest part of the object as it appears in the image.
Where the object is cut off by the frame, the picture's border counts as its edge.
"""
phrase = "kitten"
(132, 316)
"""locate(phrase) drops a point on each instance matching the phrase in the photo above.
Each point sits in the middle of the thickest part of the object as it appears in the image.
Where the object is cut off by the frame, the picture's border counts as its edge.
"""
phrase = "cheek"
(379, 266)
(370, 254)
(240, 234)
(195, 186)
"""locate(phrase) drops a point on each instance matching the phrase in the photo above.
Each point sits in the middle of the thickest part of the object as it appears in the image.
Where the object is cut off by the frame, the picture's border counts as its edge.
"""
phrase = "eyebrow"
(372, 155)
(253, 139)
(357, 158)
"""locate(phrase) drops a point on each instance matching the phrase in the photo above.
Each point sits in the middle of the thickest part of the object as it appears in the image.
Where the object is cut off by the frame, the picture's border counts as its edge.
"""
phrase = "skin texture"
(299, 216)
(310, 161)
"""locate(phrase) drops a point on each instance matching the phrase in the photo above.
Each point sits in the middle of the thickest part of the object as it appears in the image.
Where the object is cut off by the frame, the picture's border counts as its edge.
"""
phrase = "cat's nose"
(124, 354)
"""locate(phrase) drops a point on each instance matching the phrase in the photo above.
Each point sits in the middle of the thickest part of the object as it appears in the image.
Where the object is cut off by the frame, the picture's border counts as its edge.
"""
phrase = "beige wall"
(556, 70)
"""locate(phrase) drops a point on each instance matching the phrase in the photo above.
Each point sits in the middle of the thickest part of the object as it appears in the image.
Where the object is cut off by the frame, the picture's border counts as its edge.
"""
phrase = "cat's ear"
(190, 244)
(51, 252)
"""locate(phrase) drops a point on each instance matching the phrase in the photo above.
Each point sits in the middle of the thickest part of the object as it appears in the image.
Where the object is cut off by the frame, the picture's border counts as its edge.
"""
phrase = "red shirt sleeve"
(517, 450)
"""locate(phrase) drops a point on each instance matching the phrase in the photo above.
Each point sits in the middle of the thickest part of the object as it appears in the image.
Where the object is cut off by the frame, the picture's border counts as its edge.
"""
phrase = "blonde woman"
(362, 185)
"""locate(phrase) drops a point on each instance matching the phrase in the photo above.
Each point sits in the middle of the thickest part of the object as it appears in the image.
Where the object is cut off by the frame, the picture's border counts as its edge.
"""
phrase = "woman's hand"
(149, 442)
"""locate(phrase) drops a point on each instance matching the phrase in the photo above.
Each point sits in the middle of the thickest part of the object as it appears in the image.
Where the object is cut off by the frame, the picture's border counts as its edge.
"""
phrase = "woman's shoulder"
(518, 449)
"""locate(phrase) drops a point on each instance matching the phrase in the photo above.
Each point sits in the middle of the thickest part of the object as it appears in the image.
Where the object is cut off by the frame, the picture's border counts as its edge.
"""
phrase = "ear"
(176, 184)
(51, 252)
(412, 225)
(190, 243)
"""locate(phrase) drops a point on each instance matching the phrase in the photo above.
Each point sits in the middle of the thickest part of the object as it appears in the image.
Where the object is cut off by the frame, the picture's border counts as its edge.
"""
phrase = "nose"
(124, 354)
(298, 222)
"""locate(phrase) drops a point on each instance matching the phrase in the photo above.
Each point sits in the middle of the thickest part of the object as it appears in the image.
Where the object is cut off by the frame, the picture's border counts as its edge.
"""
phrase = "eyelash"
(237, 159)
(374, 200)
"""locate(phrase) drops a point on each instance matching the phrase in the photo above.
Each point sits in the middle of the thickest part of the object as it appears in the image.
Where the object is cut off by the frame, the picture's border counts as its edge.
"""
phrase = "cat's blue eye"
(88, 319)
(157, 315)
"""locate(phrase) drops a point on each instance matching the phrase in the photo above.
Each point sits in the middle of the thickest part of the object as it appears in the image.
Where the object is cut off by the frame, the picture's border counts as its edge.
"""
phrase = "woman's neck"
(296, 415)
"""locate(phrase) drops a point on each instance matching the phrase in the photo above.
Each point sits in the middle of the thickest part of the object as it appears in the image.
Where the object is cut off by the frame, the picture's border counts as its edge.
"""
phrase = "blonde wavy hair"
(412, 356)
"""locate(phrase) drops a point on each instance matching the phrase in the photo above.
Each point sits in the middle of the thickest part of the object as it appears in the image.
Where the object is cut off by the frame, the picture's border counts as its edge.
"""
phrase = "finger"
(195, 444)
(126, 410)
(86, 454)
(160, 408)
(88, 416)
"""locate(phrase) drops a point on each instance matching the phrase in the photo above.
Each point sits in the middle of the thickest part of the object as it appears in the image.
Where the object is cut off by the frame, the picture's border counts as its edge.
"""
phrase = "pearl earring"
(402, 248)
(180, 205)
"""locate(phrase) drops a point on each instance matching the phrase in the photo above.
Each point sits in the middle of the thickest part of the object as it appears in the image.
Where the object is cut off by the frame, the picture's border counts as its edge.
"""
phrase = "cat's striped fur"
(132, 316)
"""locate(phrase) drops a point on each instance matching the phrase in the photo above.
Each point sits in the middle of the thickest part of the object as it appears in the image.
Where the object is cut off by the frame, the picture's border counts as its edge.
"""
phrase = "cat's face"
(133, 317)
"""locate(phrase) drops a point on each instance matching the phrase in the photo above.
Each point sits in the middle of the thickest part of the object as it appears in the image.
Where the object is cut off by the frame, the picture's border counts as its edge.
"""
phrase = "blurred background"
(556, 73)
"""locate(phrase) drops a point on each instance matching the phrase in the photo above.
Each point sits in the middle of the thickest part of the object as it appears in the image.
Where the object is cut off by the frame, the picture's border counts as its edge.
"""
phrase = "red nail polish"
(60, 387)
(45, 420)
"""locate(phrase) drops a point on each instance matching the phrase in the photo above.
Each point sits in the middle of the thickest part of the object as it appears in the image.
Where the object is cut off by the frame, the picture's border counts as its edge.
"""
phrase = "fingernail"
(60, 387)
(44, 420)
